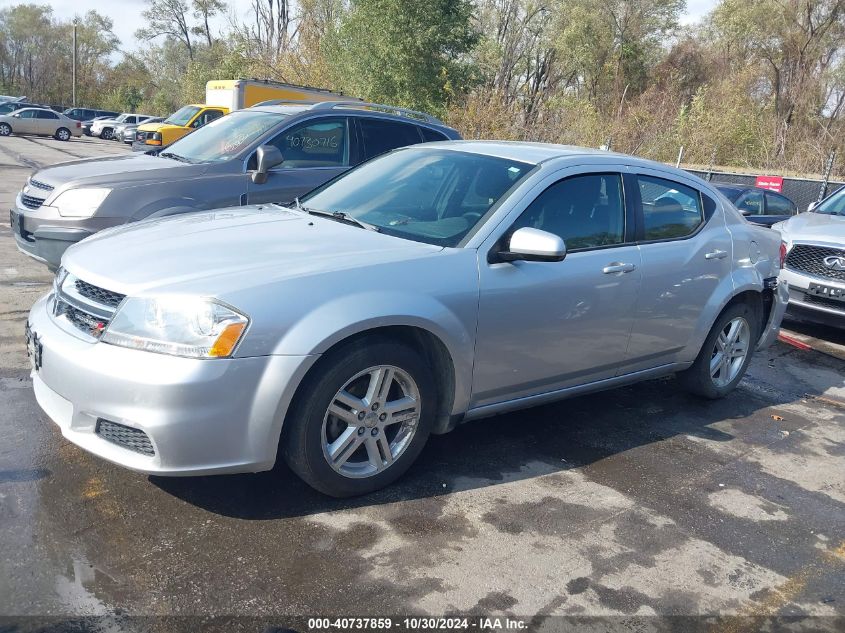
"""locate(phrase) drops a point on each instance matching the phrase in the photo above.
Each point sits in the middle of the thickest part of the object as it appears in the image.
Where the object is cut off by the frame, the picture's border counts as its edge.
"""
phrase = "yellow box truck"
(221, 97)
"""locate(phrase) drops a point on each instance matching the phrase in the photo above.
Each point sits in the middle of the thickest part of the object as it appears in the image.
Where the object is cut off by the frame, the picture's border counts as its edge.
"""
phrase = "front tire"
(725, 355)
(106, 133)
(5, 129)
(63, 134)
(361, 417)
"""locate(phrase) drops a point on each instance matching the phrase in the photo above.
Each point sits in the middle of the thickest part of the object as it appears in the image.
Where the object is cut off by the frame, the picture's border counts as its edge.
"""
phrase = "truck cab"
(186, 119)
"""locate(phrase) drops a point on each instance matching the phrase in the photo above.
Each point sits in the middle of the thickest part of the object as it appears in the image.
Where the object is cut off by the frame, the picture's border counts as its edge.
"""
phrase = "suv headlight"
(181, 326)
(79, 203)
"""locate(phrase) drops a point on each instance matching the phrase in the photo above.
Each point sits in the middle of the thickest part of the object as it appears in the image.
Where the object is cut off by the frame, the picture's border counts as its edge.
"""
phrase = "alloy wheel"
(5, 129)
(371, 421)
(729, 353)
(63, 135)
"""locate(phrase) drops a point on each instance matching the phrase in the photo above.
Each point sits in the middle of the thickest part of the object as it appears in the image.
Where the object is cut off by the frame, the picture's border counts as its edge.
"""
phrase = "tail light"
(783, 253)
(78, 124)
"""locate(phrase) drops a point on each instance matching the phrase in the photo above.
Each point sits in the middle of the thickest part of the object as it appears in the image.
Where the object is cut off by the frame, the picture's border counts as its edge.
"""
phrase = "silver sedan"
(41, 122)
(432, 286)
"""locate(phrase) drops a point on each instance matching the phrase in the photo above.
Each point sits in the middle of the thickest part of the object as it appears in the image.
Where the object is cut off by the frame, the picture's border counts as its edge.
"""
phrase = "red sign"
(772, 183)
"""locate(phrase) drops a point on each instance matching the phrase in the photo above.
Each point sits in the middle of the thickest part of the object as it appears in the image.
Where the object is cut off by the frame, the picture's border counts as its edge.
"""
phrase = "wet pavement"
(636, 502)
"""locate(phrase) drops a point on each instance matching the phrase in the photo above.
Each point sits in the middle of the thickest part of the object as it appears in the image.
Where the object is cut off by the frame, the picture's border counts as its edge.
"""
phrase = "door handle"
(618, 267)
(717, 254)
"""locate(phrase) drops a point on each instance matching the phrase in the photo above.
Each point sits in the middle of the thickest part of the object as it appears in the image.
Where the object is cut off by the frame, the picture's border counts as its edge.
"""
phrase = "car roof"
(535, 153)
(354, 108)
(728, 185)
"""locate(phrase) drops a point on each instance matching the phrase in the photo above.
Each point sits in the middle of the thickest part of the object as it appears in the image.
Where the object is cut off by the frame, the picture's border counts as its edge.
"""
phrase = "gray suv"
(261, 154)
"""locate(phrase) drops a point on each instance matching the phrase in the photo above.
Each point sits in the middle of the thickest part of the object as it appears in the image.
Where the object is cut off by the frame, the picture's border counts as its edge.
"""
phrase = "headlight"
(181, 326)
(79, 203)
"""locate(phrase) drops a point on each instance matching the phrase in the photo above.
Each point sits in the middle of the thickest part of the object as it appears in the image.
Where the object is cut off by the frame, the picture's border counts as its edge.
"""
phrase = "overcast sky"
(127, 13)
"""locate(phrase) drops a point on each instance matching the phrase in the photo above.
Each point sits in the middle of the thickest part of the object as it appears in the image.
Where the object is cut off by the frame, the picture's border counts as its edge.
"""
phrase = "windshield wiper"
(340, 216)
(181, 159)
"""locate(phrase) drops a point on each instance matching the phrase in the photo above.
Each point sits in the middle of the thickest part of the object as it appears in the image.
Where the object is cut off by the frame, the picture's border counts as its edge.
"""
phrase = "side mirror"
(534, 245)
(266, 157)
(812, 205)
(745, 212)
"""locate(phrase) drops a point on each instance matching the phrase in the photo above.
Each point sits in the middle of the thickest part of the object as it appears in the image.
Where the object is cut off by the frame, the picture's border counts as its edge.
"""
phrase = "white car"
(813, 250)
(104, 128)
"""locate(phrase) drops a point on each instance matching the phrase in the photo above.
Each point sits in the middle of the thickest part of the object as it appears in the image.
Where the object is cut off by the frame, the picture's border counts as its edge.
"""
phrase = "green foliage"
(411, 54)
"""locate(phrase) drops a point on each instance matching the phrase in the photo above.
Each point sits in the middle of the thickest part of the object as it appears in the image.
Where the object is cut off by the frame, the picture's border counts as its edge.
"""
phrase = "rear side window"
(432, 135)
(46, 114)
(779, 205)
(670, 210)
(586, 211)
(381, 136)
(315, 143)
(751, 203)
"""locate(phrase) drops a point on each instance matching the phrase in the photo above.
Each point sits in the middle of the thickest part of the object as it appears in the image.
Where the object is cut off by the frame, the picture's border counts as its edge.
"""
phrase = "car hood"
(815, 227)
(228, 250)
(116, 169)
(155, 127)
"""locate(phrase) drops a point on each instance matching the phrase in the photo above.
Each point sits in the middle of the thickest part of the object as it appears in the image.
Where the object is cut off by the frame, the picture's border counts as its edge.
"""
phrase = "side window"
(586, 211)
(29, 114)
(315, 143)
(206, 117)
(779, 205)
(432, 135)
(381, 136)
(46, 114)
(751, 203)
(670, 209)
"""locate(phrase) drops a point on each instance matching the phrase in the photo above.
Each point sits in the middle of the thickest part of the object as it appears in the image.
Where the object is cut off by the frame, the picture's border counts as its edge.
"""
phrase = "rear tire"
(5, 129)
(361, 417)
(725, 355)
(63, 134)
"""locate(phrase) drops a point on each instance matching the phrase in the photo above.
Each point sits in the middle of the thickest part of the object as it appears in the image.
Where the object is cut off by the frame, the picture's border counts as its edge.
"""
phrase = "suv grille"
(100, 295)
(125, 436)
(809, 259)
(40, 185)
(81, 320)
(31, 202)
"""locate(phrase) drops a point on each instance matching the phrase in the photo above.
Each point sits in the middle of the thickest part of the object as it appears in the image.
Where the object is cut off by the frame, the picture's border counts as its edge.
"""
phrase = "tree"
(167, 18)
(203, 11)
(410, 54)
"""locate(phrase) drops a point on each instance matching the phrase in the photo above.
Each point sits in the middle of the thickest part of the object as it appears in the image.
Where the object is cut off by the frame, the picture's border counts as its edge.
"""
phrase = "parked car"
(159, 135)
(219, 165)
(86, 125)
(87, 114)
(13, 106)
(126, 132)
(105, 127)
(431, 286)
(40, 122)
(759, 205)
(814, 250)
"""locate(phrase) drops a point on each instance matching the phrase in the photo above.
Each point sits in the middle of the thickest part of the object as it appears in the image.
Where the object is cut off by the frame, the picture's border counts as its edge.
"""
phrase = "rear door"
(382, 135)
(686, 253)
(778, 208)
(47, 122)
(315, 151)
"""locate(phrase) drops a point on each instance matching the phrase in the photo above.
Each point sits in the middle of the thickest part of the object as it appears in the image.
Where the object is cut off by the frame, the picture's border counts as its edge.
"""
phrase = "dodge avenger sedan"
(428, 287)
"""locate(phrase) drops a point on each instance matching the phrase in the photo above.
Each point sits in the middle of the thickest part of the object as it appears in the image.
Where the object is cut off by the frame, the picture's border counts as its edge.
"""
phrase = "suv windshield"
(182, 116)
(121, 118)
(835, 205)
(225, 137)
(431, 196)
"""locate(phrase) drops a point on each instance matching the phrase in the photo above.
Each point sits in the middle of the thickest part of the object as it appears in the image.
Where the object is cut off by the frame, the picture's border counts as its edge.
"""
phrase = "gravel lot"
(637, 502)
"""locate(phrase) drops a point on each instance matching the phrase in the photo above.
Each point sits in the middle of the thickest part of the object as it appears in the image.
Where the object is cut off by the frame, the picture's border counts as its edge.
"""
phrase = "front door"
(314, 151)
(26, 122)
(544, 326)
(686, 253)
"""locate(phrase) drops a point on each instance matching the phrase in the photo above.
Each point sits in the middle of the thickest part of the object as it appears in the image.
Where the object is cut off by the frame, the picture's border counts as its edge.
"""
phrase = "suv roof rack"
(377, 107)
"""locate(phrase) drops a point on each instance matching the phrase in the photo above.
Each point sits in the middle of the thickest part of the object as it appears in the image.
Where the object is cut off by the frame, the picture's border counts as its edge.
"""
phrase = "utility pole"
(73, 99)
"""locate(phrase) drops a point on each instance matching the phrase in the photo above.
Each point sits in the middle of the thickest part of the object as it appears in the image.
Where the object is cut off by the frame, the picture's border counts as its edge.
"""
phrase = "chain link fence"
(802, 191)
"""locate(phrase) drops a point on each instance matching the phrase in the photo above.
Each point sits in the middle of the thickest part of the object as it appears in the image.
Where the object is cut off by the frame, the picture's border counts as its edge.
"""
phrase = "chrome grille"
(86, 307)
(31, 202)
(125, 436)
(100, 295)
(806, 258)
(40, 185)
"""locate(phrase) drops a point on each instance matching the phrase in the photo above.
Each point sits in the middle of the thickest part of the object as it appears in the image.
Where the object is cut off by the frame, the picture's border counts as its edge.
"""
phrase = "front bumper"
(201, 416)
(45, 235)
(804, 304)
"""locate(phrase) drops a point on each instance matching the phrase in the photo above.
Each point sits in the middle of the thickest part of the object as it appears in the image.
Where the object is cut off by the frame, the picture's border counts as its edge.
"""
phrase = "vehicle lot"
(638, 501)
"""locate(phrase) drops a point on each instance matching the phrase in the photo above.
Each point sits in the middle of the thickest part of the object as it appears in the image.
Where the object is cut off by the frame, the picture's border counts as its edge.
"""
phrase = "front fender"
(334, 321)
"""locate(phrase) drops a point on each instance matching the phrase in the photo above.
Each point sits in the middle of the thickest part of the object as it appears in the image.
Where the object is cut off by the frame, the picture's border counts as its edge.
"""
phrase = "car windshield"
(182, 116)
(835, 205)
(426, 195)
(730, 193)
(121, 118)
(225, 137)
